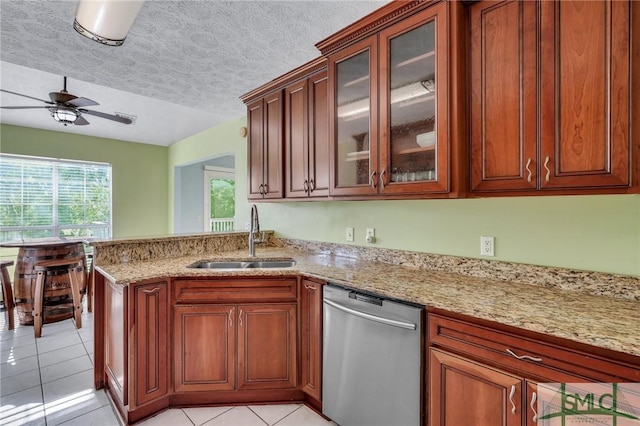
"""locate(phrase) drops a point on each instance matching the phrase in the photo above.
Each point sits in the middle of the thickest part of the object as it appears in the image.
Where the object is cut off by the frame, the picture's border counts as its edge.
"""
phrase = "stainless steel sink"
(243, 264)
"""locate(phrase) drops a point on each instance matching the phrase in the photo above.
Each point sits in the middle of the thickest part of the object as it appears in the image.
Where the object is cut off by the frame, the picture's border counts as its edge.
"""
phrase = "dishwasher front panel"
(372, 353)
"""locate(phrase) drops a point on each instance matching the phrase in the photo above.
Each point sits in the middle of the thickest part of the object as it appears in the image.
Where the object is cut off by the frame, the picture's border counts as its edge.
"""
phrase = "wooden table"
(58, 288)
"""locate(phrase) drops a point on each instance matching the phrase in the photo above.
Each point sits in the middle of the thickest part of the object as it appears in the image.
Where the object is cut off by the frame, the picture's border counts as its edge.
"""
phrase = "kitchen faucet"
(255, 229)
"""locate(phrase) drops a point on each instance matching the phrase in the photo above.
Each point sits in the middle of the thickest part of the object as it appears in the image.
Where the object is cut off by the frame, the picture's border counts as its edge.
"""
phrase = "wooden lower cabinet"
(267, 346)
(311, 338)
(485, 376)
(204, 340)
(464, 392)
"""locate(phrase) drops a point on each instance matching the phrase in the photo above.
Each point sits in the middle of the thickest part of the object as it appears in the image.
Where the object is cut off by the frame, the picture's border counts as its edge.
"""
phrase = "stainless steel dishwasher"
(372, 369)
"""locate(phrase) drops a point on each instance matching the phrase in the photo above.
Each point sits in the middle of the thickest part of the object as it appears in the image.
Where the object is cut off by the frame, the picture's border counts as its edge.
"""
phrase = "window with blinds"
(43, 197)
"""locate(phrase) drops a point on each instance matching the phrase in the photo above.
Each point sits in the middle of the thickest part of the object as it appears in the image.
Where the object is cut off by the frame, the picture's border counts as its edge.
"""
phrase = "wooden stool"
(75, 270)
(7, 292)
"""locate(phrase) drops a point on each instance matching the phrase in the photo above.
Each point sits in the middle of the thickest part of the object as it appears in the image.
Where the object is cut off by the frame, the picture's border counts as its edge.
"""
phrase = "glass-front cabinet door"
(354, 146)
(413, 86)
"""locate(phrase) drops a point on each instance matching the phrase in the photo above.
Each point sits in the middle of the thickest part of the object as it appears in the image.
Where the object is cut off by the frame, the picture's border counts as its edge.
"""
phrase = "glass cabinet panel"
(411, 96)
(353, 117)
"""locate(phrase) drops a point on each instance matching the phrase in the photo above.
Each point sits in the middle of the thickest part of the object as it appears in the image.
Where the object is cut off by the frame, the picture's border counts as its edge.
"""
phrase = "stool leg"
(75, 278)
(38, 300)
(7, 294)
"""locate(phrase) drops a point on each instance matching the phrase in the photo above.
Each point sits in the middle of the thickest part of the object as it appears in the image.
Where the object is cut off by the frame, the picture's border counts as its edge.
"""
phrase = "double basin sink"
(243, 264)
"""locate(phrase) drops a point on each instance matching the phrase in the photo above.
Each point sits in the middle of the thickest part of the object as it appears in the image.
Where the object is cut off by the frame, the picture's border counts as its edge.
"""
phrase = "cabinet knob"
(528, 170)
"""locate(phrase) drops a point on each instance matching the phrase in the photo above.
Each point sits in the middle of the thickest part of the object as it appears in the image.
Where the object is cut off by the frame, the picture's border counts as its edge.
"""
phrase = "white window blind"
(43, 197)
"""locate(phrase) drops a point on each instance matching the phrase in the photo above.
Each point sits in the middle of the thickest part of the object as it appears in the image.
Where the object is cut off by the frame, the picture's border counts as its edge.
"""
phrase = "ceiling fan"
(67, 109)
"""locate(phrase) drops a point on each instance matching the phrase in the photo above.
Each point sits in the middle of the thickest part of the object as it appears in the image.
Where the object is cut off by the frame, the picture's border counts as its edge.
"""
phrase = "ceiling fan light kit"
(64, 115)
(106, 21)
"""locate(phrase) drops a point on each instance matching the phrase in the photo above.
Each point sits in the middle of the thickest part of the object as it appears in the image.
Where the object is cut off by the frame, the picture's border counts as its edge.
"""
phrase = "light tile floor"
(49, 381)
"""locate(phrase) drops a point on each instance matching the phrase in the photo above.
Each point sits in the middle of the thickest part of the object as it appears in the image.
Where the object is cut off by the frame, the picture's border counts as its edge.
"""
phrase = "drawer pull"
(546, 167)
(151, 290)
(513, 405)
(527, 357)
(309, 287)
(534, 397)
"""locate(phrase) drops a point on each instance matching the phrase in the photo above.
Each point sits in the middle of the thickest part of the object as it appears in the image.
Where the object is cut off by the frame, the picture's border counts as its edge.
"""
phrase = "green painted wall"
(139, 172)
(596, 233)
(214, 142)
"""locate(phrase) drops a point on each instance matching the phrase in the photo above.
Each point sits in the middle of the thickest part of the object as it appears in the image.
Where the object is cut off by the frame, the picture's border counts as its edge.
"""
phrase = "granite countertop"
(600, 321)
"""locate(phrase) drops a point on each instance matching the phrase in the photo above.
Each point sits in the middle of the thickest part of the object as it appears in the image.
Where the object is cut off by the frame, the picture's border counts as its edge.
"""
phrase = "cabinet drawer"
(235, 290)
(538, 358)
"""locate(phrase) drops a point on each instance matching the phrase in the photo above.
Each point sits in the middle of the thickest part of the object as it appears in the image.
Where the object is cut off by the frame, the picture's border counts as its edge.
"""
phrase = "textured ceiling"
(194, 57)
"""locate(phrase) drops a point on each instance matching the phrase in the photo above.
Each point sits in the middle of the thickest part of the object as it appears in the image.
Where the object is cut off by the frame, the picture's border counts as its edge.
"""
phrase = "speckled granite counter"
(607, 322)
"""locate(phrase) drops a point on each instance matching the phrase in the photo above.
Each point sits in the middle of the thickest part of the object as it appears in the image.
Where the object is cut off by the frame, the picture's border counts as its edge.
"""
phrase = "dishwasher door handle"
(382, 320)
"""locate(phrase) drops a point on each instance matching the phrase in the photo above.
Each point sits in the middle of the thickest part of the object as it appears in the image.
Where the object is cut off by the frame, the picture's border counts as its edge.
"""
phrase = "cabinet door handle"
(240, 318)
(527, 357)
(231, 317)
(266, 189)
(306, 186)
(151, 290)
(528, 170)
(312, 185)
(382, 173)
(513, 405)
(260, 188)
(534, 397)
(546, 167)
(309, 287)
(373, 179)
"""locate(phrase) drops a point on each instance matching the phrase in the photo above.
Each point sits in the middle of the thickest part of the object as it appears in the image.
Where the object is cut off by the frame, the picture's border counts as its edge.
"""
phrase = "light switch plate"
(349, 234)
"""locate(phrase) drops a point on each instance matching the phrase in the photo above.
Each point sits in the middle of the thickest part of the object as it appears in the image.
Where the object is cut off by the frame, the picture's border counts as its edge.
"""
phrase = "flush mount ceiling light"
(64, 115)
(106, 21)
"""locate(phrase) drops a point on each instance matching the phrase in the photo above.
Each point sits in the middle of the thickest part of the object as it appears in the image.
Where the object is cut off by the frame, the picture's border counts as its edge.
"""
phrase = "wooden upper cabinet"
(390, 102)
(307, 137)
(413, 84)
(353, 126)
(503, 106)
(550, 95)
(265, 145)
(585, 93)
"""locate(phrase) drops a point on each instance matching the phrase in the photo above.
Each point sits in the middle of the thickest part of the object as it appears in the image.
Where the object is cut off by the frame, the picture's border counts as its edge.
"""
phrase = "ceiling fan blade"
(26, 96)
(80, 121)
(107, 116)
(82, 102)
(24, 107)
(61, 97)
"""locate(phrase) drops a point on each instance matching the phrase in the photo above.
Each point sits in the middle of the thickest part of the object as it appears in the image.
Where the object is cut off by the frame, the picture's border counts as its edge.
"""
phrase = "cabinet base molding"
(209, 399)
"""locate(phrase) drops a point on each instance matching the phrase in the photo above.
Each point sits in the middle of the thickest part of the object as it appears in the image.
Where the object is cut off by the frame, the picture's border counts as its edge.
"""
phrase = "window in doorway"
(220, 199)
(47, 197)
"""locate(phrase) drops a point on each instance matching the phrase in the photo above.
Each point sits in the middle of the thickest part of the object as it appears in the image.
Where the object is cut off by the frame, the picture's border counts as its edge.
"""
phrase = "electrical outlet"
(349, 234)
(370, 236)
(487, 246)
